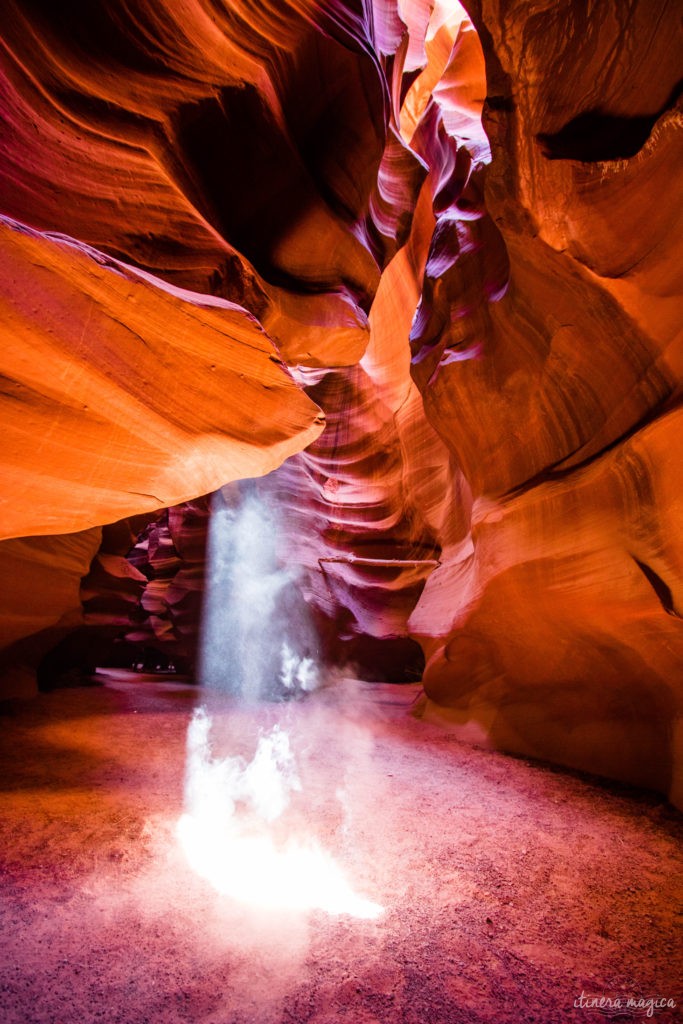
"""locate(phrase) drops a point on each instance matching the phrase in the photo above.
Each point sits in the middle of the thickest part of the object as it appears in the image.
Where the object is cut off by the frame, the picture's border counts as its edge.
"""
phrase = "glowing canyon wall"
(432, 260)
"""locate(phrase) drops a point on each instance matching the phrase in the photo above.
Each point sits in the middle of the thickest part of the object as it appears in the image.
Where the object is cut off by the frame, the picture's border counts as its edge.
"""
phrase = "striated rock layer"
(553, 626)
(431, 262)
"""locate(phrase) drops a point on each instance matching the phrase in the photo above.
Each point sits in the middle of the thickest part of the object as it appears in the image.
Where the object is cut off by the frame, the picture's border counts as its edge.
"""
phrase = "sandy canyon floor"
(509, 888)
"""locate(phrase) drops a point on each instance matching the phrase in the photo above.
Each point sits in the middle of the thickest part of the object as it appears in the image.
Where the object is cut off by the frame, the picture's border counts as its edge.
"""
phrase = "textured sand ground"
(509, 888)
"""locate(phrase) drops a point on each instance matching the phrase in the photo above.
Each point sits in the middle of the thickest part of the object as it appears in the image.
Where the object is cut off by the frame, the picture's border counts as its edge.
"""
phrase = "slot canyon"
(341, 563)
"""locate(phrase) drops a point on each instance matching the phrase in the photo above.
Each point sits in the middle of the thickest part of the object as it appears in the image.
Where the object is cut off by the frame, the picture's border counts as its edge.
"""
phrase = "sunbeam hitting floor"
(510, 892)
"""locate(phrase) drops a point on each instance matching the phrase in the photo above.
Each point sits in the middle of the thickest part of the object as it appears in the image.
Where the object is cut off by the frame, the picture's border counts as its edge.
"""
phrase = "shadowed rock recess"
(411, 269)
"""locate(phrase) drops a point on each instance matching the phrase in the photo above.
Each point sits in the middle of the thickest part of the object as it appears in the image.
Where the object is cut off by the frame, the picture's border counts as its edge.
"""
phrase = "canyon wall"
(553, 627)
(428, 266)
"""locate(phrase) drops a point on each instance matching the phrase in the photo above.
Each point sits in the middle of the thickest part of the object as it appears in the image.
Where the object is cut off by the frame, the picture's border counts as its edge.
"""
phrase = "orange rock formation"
(453, 244)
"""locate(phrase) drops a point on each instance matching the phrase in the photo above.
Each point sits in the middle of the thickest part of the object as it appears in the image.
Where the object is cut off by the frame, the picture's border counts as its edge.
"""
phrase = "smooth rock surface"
(437, 263)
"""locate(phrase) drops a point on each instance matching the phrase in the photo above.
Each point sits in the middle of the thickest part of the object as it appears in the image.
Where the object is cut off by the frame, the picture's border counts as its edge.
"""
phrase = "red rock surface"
(553, 625)
(124, 380)
(39, 600)
(170, 555)
(195, 198)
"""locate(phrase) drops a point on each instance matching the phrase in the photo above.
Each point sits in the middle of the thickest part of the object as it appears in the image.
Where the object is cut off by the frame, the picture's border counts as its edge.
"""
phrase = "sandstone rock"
(553, 628)
(124, 381)
(458, 239)
(39, 600)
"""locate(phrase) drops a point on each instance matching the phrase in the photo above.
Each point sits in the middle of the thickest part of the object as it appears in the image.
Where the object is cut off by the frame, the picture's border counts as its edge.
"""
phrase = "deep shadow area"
(597, 135)
(660, 587)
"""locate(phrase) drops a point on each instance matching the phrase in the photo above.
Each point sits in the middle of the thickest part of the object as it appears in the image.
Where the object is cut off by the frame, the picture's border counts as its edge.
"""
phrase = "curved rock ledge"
(426, 261)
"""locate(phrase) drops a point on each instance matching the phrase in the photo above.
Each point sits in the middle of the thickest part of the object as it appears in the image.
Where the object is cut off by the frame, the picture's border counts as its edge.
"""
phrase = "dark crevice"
(596, 135)
(661, 589)
(504, 103)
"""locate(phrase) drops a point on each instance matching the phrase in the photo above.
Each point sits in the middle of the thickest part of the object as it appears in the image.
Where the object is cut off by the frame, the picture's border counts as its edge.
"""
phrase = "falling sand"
(509, 890)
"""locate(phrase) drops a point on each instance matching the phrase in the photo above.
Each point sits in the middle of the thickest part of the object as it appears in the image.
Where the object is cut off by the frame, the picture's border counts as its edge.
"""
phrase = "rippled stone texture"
(553, 626)
(460, 241)
(124, 383)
